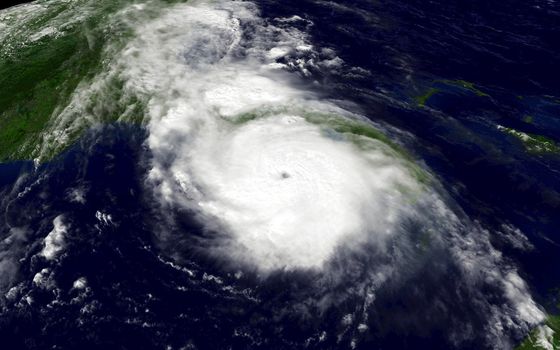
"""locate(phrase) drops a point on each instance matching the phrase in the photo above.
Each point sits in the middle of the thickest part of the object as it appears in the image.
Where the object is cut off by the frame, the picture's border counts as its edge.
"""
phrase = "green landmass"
(38, 77)
(48, 55)
(533, 143)
(549, 332)
(534, 340)
(466, 85)
(334, 122)
(34, 83)
(361, 134)
(422, 99)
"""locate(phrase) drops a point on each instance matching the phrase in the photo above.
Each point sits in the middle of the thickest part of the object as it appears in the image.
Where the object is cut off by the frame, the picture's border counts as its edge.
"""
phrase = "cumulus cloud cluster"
(55, 241)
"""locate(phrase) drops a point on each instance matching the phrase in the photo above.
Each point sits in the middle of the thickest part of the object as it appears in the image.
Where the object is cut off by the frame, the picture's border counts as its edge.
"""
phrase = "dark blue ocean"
(492, 63)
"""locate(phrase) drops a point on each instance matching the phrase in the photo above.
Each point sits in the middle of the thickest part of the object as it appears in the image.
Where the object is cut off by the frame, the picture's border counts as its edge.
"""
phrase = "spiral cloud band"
(281, 179)
(259, 198)
(288, 190)
(290, 194)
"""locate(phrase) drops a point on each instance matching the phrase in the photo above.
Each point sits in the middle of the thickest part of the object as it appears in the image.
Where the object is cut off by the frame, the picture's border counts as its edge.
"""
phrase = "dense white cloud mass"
(287, 190)
(55, 241)
(290, 194)
(80, 283)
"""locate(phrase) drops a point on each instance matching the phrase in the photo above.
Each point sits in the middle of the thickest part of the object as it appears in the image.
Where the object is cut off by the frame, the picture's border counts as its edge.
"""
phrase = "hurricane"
(268, 211)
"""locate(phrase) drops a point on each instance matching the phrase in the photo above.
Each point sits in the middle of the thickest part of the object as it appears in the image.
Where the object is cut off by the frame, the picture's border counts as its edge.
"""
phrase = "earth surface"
(279, 174)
